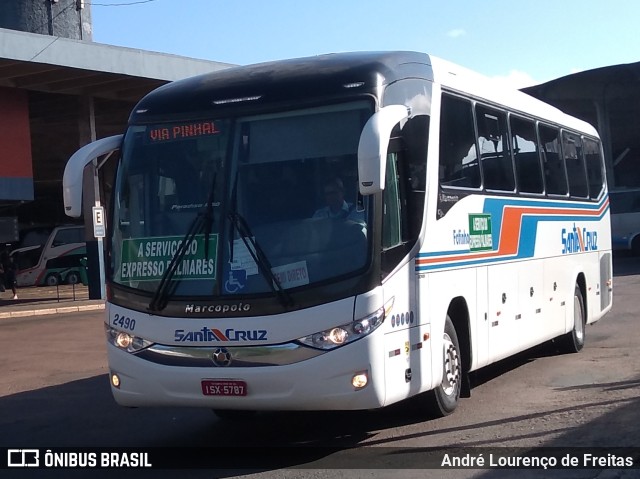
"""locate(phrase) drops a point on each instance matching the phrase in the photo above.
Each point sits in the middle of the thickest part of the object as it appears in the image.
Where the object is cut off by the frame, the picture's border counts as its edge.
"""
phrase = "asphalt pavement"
(41, 300)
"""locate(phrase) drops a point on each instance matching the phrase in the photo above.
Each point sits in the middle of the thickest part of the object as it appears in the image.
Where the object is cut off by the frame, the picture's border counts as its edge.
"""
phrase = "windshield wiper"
(208, 217)
(258, 255)
(167, 285)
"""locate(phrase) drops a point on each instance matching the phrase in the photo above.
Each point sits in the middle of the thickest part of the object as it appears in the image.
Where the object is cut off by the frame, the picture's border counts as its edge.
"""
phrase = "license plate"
(224, 387)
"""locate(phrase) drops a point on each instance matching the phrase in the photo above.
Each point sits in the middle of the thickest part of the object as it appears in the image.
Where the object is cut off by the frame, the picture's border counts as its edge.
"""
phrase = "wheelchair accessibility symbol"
(236, 280)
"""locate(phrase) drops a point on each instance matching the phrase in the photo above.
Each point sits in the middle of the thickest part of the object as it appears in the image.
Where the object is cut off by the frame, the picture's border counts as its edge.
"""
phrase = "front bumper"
(321, 381)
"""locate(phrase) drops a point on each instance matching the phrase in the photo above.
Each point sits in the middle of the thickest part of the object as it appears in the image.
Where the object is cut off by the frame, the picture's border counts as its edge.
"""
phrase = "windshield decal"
(236, 280)
(292, 274)
(242, 258)
(146, 259)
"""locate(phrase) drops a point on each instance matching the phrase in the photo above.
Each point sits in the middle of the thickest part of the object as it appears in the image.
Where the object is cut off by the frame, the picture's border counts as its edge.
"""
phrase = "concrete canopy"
(60, 65)
(68, 91)
(609, 99)
(610, 80)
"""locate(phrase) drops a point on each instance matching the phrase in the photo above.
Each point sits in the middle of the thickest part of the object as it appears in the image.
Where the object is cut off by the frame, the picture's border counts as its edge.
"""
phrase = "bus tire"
(573, 341)
(72, 278)
(233, 414)
(443, 400)
(52, 279)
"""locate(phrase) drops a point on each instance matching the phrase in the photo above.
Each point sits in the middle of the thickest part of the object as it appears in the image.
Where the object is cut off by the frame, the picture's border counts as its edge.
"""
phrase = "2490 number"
(124, 322)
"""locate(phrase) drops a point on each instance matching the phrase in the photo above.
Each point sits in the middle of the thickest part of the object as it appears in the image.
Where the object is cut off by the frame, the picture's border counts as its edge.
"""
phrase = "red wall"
(15, 135)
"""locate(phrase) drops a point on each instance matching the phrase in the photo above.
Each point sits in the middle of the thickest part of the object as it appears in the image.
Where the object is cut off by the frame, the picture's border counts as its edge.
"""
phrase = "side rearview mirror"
(72, 178)
(372, 149)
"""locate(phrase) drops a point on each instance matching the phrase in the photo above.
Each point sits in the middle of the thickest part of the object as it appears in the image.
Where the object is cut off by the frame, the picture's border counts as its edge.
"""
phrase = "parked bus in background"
(474, 224)
(55, 262)
(625, 220)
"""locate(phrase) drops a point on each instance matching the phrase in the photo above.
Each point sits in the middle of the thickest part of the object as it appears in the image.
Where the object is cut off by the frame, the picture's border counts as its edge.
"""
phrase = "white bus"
(344, 232)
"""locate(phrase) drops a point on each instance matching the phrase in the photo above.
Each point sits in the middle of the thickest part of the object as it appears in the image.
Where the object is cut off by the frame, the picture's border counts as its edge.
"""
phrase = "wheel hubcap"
(451, 367)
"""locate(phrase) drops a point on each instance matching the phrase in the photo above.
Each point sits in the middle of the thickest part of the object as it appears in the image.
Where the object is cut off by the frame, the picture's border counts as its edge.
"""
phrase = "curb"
(46, 311)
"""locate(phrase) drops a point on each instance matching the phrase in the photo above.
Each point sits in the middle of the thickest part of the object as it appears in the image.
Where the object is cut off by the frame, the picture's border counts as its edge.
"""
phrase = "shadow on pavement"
(625, 264)
(83, 414)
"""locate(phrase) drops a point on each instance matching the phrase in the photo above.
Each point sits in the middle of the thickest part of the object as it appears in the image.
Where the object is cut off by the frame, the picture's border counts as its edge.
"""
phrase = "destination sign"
(182, 131)
(146, 259)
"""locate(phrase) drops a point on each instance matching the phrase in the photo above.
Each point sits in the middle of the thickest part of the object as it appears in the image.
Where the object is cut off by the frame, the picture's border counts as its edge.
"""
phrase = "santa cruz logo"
(577, 240)
(216, 335)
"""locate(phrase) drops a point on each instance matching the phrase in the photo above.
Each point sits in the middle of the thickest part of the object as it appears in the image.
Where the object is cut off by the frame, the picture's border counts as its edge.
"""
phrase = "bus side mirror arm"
(73, 171)
(372, 148)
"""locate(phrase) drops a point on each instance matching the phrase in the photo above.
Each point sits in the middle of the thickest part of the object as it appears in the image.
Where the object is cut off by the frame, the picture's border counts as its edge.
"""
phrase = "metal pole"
(96, 192)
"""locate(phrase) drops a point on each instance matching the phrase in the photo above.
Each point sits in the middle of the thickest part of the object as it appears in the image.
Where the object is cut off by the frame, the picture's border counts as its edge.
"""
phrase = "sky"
(518, 42)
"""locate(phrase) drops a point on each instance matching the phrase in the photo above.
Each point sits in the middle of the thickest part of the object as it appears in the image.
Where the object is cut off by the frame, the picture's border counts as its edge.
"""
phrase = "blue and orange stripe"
(515, 226)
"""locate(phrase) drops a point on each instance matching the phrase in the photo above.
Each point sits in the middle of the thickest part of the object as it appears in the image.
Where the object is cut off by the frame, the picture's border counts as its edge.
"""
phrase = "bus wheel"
(443, 400)
(573, 341)
(52, 280)
(234, 414)
(72, 278)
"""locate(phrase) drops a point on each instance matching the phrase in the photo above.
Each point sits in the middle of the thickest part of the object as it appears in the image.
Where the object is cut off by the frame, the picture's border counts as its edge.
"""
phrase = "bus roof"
(283, 81)
(329, 76)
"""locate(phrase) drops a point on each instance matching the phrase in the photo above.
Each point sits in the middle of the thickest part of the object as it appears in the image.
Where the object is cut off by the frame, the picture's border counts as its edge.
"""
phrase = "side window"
(555, 176)
(404, 191)
(27, 259)
(68, 236)
(576, 173)
(413, 171)
(458, 156)
(497, 168)
(398, 232)
(131, 211)
(391, 226)
(593, 160)
(525, 154)
(167, 193)
(79, 235)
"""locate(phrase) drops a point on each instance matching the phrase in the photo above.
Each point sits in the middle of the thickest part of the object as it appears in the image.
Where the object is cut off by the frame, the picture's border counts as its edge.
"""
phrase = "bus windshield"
(248, 205)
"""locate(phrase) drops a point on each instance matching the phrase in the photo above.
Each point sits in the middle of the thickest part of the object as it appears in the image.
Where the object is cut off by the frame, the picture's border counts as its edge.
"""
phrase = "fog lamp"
(360, 380)
(115, 380)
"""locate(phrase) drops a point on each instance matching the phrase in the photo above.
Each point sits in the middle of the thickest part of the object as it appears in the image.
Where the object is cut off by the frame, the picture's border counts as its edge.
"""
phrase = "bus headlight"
(344, 334)
(125, 341)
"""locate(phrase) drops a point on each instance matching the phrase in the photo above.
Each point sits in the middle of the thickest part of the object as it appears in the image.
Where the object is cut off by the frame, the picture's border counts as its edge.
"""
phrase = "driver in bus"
(336, 206)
